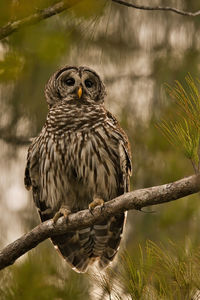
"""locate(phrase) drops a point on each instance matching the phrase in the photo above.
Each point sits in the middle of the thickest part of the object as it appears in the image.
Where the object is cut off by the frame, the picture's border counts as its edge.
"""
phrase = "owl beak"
(80, 91)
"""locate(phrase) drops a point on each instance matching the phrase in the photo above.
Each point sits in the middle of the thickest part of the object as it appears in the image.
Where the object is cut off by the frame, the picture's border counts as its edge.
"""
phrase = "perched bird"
(80, 159)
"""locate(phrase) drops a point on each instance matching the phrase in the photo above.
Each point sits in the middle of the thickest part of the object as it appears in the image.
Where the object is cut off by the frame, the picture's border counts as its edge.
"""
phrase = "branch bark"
(38, 16)
(132, 200)
(167, 8)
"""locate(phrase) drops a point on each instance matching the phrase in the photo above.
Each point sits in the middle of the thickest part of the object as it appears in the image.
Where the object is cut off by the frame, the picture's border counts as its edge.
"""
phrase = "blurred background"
(136, 53)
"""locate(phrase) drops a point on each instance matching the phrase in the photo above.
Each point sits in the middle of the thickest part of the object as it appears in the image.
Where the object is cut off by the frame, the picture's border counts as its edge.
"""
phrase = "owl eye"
(70, 81)
(88, 83)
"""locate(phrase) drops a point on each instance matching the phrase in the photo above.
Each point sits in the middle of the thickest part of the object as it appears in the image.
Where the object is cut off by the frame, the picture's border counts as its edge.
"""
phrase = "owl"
(80, 159)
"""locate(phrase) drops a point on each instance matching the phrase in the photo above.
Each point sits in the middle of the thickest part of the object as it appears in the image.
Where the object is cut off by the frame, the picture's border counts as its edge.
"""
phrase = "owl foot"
(96, 202)
(63, 211)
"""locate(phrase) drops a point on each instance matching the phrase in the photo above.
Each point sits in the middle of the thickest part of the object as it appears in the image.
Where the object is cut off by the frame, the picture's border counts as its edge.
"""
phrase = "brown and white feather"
(80, 154)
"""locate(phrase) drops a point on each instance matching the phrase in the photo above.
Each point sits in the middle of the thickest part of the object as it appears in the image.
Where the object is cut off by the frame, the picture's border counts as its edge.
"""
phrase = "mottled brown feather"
(81, 153)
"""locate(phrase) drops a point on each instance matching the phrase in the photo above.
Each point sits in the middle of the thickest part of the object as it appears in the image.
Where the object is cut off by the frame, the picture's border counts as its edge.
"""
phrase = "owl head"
(75, 83)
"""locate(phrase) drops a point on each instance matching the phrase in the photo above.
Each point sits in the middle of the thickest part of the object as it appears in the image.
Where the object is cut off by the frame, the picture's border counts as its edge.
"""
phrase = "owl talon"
(94, 203)
(63, 211)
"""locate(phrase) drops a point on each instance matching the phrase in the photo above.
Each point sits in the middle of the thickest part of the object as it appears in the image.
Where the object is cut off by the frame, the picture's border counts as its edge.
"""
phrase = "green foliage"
(42, 276)
(134, 275)
(156, 273)
(184, 130)
(168, 271)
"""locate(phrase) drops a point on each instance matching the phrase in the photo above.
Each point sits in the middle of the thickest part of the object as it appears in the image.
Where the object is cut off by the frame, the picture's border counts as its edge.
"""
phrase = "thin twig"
(167, 8)
(133, 200)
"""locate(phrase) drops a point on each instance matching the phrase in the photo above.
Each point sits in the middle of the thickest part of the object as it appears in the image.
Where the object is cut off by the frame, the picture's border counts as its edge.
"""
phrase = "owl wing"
(109, 232)
(32, 180)
(124, 154)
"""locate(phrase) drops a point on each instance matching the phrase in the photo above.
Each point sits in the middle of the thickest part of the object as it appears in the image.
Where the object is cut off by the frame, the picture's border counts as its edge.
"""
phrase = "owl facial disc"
(75, 83)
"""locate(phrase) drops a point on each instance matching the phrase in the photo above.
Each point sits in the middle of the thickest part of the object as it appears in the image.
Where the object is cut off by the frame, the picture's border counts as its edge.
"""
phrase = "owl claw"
(94, 203)
(63, 211)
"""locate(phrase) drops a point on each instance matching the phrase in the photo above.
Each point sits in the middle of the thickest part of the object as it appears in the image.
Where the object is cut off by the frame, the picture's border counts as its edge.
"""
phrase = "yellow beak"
(80, 91)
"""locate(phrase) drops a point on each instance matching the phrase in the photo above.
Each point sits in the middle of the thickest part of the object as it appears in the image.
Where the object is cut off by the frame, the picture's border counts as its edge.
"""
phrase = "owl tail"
(107, 239)
(76, 248)
(98, 243)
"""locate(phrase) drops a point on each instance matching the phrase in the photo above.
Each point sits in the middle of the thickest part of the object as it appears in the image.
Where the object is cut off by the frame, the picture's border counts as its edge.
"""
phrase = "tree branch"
(61, 6)
(167, 8)
(16, 141)
(133, 200)
(38, 16)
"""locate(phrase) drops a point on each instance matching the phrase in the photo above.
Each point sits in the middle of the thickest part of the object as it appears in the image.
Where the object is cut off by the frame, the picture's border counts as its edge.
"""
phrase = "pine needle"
(184, 133)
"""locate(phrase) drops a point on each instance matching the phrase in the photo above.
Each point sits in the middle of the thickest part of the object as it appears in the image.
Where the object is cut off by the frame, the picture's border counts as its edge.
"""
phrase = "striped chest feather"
(79, 166)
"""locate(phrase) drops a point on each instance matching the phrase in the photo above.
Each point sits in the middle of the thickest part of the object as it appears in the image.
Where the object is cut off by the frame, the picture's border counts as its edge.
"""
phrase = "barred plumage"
(81, 155)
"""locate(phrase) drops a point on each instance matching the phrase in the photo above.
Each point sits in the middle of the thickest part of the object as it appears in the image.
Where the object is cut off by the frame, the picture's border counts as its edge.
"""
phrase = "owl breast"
(85, 166)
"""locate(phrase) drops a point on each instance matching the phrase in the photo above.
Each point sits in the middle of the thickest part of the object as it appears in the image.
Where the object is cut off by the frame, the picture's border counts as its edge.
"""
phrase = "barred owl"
(80, 159)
